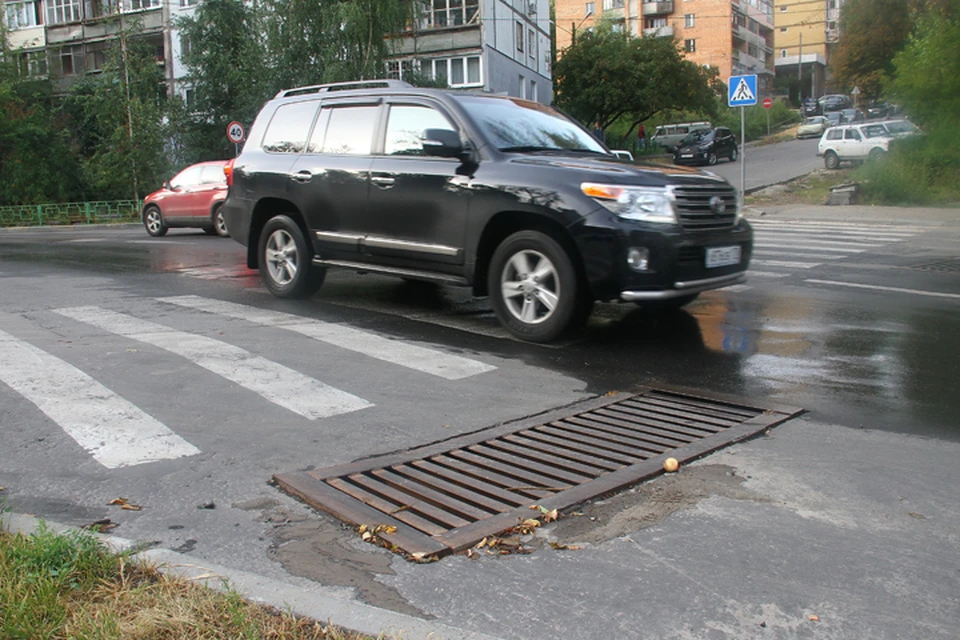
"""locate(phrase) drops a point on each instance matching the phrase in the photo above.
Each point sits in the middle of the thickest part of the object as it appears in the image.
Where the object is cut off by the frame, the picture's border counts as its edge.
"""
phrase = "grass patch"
(69, 585)
(813, 188)
(921, 170)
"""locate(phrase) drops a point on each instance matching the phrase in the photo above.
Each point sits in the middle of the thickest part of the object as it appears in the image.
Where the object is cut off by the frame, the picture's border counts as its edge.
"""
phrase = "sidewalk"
(854, 213)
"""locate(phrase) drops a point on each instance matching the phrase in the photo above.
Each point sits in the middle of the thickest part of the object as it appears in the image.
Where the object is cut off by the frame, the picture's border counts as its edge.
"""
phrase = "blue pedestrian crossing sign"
(742, 91)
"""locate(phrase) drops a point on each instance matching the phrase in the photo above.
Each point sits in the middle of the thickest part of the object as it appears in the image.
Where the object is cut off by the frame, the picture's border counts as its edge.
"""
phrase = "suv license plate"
(723, 256)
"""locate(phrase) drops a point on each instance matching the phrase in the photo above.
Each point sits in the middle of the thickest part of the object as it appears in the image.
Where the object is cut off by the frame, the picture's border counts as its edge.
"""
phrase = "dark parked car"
(834, 102)
(506, 196)
(811, 108)
(834, 118)
(192, 198)
(852, 116)
(706, 146)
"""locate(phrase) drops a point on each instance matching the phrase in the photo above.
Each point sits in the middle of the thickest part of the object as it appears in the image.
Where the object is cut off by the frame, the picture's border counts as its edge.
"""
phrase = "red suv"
(192, 198)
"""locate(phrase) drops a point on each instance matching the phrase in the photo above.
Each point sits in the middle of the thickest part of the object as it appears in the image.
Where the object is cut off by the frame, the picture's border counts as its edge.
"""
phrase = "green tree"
(605, 76)
(36, 165)
(873, 32)
(926, 79)
(118, 121)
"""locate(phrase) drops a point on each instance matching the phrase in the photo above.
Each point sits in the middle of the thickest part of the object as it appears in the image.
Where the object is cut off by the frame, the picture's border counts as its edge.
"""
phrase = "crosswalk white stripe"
(877, 287)
(813, 224)
(819, 241)
(114, 431)
(776, 245)
(290, 389)
(766, 274)
(798, 254)
(451, 367)
(836, 235)
(786, 263)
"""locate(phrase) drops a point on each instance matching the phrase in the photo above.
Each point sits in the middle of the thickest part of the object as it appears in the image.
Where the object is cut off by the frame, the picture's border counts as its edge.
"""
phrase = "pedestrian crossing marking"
(114, 431)
(742, 93)
(281, 385)
(449, 366)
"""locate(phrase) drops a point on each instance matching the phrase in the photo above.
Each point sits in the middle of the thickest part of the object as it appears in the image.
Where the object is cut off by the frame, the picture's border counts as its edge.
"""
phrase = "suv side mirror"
(442, 142)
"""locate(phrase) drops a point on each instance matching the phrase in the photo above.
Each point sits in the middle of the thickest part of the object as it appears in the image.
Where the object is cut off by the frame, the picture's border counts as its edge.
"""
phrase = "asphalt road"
(200, 386)
(771, 164)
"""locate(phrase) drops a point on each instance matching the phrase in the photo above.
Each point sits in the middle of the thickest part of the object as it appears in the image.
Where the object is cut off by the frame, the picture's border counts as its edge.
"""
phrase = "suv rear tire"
(831, 160)
(285, 259)
(533, 286)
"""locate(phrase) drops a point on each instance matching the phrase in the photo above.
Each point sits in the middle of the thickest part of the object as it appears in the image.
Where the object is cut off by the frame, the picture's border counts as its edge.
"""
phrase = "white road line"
(786, 263)
(766, 274)
(290, 389)
(737, 288)
(83, 240)
(430, 361)
(816, 240)
(773, 245)
(799, 254)
(111, 429)
(861, 231)
(853, 226)
(919, 292)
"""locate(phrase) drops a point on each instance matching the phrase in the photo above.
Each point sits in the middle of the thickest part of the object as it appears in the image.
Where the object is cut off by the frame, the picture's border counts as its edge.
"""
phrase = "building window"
(190, 99)
(752, 50)
(188, 3)
(783, 53)
(589, 8)
(61, 11)
(783, 29)
(531, 43)
(451, 13)
(612, 4)
(689, 21)
(140, 5)
(533, 90)
(690, 46)
(523, 86)
(32, 64)
(22, 15)
(71, 61)
(655, 23)
(520, 36)
(455, 72)
(617, 27)
(96, 56)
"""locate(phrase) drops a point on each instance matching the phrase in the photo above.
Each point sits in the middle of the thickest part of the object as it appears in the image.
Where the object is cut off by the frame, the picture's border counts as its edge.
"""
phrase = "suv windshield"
(700, 135)
(519, 125)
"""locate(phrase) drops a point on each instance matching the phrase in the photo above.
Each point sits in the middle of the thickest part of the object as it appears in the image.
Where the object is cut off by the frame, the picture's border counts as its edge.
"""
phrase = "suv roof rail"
(342, 86)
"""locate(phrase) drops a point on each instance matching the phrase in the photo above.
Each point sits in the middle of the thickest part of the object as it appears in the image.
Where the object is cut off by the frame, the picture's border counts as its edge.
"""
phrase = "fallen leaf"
(471, 553)
(362, 528)
(551, 515)
(367, 536)
(209, 505)
(103, 525)
(481, 544)
(120, 501)
(813, 618)
(914, 514)
(131, 350)
(531, 523)
(560, 545)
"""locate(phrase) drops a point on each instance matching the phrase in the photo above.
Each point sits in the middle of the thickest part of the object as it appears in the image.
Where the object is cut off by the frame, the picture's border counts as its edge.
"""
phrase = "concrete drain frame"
(446, 497)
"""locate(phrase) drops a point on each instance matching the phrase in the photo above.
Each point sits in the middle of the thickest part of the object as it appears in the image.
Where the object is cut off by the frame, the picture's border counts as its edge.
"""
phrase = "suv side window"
(834, 134)
(405, 126)
(851, 134)
(289, 126)
(350, 130)
(188, 178)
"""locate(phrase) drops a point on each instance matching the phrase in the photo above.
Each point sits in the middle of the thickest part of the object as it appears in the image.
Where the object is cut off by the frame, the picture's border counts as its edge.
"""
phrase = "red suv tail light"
(228, 171)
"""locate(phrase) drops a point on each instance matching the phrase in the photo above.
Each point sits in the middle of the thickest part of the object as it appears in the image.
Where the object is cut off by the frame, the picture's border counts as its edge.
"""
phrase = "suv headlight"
(633, 203)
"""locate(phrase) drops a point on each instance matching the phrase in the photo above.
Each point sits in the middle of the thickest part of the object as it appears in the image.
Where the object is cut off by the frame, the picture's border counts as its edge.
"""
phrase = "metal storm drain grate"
(949, 265)
(446, 497)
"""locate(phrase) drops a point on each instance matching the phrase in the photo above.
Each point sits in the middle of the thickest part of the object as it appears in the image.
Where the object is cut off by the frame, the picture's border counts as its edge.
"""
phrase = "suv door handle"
(383, 181)
(302, 176)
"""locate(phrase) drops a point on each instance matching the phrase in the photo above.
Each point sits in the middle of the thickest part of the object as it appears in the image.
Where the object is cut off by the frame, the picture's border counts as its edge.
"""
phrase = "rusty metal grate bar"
(446, 497)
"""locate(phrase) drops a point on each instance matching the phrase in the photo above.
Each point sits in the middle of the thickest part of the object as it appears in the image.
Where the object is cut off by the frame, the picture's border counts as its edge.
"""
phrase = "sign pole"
(743, 160)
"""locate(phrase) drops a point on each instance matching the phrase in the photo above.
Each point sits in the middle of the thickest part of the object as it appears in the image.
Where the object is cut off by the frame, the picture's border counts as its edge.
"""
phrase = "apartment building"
(806, 33)
(500, 46)
(734, 36)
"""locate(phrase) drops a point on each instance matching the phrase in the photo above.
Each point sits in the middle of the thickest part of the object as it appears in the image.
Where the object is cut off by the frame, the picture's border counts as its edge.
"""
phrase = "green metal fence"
(67, 213)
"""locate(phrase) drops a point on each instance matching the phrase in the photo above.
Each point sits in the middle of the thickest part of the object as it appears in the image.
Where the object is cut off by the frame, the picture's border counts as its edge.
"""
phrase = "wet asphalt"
(841, 523)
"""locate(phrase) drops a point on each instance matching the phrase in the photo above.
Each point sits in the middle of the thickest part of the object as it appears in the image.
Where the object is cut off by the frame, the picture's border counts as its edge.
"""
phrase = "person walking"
(642, 137)
(597, 131)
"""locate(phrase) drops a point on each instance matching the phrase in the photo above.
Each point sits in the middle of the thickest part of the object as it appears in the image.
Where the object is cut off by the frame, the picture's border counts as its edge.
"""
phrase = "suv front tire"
(285, 259)
(533, 286)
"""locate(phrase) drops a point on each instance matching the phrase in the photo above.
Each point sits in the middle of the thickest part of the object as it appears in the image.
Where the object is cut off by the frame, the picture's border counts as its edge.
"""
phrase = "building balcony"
(659, 32)
(657, 8)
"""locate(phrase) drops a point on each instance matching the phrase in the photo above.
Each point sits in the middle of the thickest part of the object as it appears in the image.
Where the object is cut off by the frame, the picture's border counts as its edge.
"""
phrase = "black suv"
(507, 196)
(705, 146)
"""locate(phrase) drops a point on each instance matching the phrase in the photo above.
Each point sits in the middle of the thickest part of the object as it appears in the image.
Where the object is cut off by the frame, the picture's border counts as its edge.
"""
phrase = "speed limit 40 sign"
(235, 132)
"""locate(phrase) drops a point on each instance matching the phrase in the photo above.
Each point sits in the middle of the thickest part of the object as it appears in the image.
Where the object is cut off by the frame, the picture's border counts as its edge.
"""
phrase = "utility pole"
(800, 71)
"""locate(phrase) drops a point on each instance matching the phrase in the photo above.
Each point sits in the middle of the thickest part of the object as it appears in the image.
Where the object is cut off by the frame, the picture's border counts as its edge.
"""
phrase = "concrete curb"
(347, 614)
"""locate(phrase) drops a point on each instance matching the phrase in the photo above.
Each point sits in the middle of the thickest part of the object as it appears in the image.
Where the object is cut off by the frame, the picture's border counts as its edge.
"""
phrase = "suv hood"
(616, 172)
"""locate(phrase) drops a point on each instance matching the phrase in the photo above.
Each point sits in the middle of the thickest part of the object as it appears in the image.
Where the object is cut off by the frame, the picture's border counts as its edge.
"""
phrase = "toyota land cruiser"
(507, 196)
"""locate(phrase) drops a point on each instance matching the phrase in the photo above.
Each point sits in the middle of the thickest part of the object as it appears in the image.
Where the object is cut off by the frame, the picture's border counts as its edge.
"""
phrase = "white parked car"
(853, 143)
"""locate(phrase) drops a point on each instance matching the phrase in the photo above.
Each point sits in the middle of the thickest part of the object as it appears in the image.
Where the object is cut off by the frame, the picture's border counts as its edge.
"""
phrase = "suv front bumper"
(685, 288)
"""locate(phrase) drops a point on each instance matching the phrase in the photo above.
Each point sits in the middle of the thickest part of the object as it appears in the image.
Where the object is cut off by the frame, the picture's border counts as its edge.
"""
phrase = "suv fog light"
(638, 258)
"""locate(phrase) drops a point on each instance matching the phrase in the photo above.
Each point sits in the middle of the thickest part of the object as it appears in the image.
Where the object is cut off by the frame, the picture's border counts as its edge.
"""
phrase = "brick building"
(734, 36)
(806, 33)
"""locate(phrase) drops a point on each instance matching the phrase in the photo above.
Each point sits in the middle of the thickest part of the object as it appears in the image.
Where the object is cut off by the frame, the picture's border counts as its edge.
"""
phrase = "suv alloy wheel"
(533, 286)
(285, 260)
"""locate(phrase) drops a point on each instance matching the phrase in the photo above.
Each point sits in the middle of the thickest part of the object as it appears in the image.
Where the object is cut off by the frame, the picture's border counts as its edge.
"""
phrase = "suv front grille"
(695, 212)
